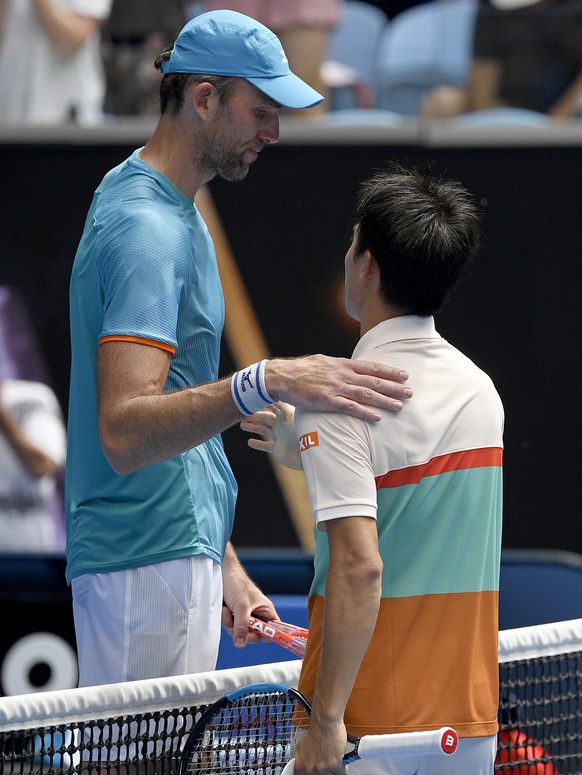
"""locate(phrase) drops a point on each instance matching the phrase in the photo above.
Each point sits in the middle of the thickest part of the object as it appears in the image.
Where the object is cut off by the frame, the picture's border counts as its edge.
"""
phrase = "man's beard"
(221, 159)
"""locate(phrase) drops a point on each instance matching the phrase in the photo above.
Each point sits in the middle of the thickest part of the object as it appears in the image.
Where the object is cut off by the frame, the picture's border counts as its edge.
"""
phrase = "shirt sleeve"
(145, 267)
(336, 457)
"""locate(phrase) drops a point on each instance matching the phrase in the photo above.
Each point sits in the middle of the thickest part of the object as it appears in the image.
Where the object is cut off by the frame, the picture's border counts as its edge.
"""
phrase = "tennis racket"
(254, 731)
(287, 635)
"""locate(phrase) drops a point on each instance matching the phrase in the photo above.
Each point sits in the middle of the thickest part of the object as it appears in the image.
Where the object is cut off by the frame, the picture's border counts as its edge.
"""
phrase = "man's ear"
(202, 95)
(370, 268)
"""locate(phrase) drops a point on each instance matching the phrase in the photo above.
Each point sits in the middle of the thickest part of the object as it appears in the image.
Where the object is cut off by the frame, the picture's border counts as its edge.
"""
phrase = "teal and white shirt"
(431, 477)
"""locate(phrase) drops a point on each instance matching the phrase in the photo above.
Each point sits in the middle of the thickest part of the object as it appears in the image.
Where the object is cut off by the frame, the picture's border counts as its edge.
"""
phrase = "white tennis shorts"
(149, 622)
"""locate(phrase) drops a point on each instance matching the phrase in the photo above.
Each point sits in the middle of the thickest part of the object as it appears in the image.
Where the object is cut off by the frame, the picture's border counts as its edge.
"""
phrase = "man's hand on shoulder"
(322, 383)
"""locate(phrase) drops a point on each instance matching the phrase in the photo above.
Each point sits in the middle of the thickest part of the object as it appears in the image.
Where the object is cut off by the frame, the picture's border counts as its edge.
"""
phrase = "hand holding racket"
(287, 635)
(439, 741)
(258, 726)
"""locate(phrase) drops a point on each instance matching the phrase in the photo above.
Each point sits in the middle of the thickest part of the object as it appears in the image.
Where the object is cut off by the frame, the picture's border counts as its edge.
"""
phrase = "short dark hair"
(173, 86)
(421, 230)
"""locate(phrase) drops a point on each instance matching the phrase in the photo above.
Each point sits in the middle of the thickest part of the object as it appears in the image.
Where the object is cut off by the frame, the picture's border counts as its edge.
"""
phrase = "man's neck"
(376, 313)
(173, 154)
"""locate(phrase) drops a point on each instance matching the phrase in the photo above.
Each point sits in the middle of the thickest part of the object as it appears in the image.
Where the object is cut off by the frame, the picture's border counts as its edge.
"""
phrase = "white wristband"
(248, 388)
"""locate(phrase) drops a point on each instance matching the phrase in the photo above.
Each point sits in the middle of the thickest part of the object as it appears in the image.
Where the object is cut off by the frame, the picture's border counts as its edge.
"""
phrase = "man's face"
(239, 130)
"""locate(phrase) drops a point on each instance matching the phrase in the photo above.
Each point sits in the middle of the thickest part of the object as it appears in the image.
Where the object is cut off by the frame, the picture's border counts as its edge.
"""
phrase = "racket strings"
(255, 735)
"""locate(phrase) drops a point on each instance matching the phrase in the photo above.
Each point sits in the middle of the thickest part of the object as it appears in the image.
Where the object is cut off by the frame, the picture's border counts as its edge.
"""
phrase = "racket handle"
(444, 740)
(289, 768)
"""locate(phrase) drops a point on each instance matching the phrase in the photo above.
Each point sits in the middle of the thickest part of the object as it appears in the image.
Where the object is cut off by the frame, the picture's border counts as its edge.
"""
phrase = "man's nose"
(269, 132)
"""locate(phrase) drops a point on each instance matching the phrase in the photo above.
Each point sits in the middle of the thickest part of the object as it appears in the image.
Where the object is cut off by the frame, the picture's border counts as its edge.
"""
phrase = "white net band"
(73, 706)
(541, 640)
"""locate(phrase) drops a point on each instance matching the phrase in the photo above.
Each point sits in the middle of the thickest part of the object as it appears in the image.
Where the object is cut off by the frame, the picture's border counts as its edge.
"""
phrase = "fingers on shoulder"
(380, 371)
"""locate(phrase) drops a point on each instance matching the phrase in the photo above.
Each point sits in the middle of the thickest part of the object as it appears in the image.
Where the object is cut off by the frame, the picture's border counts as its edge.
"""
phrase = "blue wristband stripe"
(261, 387)
(237, 397)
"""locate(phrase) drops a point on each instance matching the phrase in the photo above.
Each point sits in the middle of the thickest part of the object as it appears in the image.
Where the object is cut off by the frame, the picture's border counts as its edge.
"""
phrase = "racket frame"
(200, 727)
(443, 740)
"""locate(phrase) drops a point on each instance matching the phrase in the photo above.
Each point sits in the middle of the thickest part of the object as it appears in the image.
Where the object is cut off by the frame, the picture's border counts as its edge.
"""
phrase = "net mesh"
(142, 726)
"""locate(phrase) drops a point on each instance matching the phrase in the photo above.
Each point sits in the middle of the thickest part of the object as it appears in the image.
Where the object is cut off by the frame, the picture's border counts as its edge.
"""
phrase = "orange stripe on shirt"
(454, 461)
(136, 340)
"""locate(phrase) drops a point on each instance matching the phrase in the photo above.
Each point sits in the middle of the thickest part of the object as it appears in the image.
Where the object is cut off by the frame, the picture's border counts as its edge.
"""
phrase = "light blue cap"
(230, 43)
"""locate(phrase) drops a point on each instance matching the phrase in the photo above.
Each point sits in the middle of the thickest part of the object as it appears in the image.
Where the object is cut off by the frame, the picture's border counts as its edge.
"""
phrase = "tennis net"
(141, 726)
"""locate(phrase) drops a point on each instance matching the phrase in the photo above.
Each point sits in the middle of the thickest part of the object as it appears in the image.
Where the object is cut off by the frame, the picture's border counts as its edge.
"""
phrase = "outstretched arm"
(569, 102)
(34, 459)
(3, 12)
(484, 81)
(66, 29)
(140, 425)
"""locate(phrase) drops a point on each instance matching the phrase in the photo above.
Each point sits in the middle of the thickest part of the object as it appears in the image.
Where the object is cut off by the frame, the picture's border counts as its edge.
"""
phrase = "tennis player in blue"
(150, 496)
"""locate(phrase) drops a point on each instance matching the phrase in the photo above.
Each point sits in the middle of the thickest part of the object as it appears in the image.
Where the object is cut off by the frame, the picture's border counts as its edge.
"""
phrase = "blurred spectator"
(133, 36)
(32, 450)
(527, 54)
(50, 61)
(32, 437)
(303, 27)
(393, 7)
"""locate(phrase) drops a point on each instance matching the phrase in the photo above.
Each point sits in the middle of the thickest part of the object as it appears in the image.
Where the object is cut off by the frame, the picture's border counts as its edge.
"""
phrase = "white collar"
(396, 329)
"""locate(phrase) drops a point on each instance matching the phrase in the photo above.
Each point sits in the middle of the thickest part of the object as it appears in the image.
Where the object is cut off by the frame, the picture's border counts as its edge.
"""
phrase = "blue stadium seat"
(501, 117)
(363, 117)
(353, 48)
(424, 46)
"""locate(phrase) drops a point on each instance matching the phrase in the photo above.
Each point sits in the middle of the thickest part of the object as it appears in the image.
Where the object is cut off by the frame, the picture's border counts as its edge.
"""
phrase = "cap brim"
(288, 90)
(512, 5)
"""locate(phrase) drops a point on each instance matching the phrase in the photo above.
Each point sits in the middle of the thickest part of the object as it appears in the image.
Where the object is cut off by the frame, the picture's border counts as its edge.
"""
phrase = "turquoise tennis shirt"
(145, 270)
